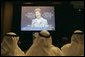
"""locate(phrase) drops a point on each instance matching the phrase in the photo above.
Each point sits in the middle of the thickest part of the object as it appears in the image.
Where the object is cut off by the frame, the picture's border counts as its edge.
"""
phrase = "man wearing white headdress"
(42, 46)
(76, 47)
(9, 46)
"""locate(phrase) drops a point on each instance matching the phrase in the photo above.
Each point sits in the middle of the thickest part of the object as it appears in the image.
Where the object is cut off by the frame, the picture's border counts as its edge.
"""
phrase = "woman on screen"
(39, 21)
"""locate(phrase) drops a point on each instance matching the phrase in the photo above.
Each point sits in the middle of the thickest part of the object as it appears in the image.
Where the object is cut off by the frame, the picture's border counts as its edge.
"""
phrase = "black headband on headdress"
(11, 35)
(44, 36)
(78, 33)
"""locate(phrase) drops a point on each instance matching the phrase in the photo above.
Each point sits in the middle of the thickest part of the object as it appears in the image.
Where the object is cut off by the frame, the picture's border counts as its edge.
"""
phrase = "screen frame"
(34, 5)
(16, 22)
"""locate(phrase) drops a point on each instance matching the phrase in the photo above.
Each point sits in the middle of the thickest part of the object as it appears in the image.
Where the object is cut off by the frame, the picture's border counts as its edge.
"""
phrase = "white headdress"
(42, 46)
(9, 46)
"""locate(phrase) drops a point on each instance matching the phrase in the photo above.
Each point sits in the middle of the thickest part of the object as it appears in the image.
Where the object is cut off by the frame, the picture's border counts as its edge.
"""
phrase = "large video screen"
(35, 18)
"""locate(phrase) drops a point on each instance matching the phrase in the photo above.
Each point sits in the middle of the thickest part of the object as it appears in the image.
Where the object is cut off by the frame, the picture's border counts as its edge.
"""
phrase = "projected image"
(37, 18)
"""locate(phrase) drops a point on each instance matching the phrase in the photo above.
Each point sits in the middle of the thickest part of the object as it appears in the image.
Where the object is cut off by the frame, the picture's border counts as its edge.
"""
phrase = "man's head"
(45, 38)
(37, 12)
(45, 34)
(78, 36)
(12, 37)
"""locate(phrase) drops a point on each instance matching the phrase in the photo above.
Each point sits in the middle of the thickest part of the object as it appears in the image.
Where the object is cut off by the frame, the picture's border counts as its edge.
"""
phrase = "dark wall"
(6, 17)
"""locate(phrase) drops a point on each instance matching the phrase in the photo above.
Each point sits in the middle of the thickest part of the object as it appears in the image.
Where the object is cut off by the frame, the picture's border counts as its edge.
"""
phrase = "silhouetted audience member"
(64, 40)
